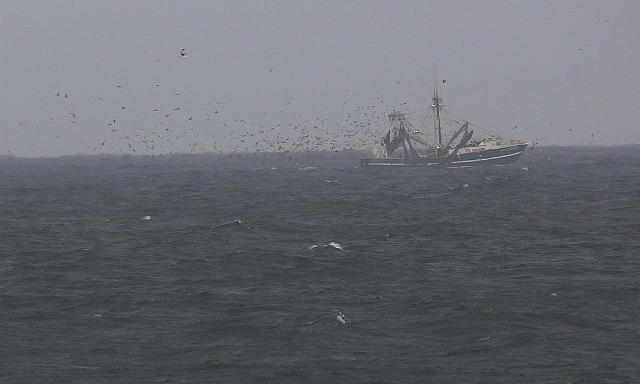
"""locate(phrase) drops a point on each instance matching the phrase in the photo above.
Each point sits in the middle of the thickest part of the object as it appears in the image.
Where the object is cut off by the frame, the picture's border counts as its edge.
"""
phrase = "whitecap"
(227, 224)
(341, 317)
(336, 245)
(146, 218)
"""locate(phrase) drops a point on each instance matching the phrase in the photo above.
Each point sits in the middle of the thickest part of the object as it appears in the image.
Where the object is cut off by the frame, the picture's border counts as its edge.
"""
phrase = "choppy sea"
(303, 268)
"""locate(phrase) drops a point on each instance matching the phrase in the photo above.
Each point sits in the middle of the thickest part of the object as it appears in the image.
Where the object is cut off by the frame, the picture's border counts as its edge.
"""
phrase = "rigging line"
(492, 133)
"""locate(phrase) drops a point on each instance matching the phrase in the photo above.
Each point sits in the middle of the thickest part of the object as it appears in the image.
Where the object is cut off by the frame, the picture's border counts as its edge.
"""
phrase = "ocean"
(303, 268)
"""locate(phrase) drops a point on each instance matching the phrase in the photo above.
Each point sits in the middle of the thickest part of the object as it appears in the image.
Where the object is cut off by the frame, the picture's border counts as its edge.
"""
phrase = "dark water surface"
(211, 268)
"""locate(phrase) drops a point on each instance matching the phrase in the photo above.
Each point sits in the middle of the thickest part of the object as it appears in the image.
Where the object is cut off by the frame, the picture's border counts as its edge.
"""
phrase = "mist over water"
(155, 78)
(305, 268)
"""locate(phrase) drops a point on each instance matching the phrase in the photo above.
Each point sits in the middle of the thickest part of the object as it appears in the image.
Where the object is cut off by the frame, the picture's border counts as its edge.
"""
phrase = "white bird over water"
(183, 54)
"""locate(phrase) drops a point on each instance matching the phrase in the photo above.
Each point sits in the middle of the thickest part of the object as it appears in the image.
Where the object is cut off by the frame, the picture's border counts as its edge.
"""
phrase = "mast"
(436, 122)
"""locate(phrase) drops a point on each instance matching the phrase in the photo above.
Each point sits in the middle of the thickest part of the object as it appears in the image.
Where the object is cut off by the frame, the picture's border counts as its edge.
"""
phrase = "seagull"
(182, 53)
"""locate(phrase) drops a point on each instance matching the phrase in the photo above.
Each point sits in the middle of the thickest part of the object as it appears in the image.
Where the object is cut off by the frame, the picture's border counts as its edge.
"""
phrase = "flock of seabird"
(178, 128)
(173, 130)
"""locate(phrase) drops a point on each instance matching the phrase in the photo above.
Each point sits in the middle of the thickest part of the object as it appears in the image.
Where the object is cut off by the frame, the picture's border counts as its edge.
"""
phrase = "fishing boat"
(451, 145)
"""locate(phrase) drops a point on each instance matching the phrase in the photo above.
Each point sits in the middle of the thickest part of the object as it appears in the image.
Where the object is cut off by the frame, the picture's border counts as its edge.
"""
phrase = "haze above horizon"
(112, 77)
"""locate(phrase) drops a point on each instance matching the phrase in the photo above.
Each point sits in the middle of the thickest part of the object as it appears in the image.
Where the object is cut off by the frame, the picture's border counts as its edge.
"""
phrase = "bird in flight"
(183, 54)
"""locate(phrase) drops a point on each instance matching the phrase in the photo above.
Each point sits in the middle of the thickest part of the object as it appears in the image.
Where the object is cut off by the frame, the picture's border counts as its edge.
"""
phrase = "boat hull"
(497, 156)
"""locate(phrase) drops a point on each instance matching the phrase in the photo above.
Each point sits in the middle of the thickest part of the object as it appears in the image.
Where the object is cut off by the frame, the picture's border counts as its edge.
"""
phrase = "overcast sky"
(265, 72)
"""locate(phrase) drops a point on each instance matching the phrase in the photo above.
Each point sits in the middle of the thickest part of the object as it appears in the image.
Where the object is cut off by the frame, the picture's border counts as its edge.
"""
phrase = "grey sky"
(563, 72)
